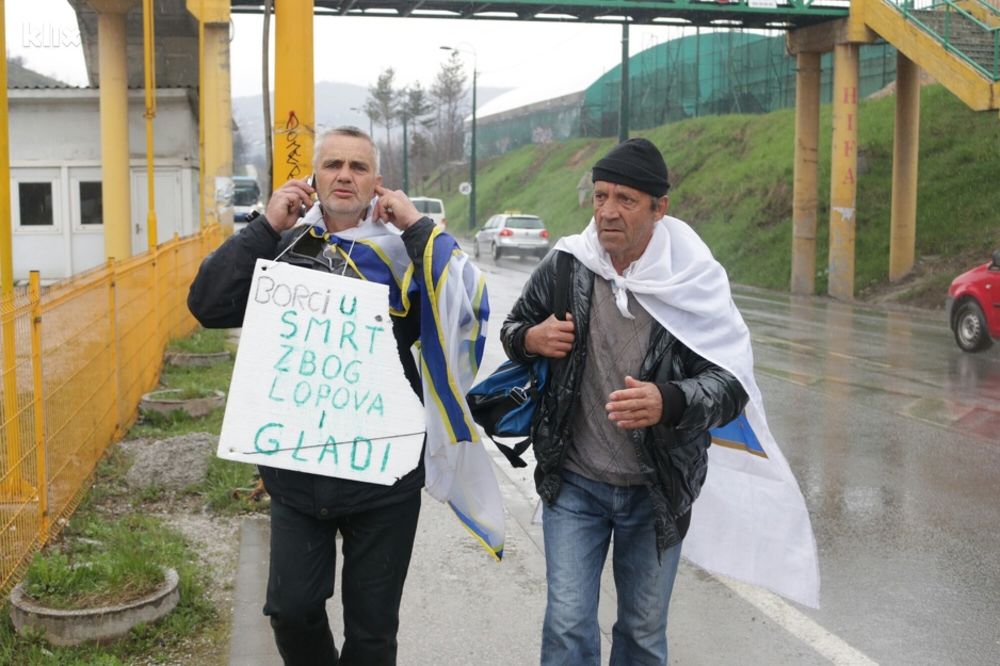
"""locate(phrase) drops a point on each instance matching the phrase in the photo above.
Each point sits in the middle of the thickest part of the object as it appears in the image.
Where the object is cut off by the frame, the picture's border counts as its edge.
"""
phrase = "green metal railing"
(951, 9)
(744, 13)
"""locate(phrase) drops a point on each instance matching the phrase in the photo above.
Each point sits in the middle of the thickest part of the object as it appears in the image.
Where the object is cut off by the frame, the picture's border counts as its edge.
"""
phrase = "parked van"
(432, 208)
(246, 198)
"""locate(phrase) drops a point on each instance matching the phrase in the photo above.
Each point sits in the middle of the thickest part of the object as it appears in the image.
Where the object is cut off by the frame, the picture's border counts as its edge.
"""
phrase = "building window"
(35, 200)
(91, 203)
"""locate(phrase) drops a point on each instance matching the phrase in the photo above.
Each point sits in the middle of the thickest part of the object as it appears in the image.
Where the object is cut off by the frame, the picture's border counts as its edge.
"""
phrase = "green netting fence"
(705, 73)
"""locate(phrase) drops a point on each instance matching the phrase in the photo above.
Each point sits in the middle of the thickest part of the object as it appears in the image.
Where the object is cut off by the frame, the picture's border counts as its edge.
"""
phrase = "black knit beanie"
(636, 163)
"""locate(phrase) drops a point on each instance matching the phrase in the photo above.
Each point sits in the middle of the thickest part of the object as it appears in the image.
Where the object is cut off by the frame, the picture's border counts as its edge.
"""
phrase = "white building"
(55, 188)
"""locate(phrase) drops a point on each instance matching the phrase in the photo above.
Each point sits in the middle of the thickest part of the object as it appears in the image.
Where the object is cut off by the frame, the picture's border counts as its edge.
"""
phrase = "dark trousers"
(377, 547)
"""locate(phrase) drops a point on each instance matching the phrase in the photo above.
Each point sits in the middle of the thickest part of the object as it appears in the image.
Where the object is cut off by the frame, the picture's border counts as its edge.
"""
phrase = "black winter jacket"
(218, 299)
(672, 455)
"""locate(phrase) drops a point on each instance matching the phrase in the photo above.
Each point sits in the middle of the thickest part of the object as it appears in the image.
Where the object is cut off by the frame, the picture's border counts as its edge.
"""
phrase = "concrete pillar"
(11, 486)
(294, 123)
(218, 122)
(843, 171)
(216, 109)
(905, 149)
(149, 85)
(6, 237)
(807, 80)
(113, 82)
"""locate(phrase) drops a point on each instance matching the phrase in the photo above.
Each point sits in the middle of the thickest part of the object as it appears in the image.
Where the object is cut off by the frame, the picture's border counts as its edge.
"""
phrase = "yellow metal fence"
(76, 359)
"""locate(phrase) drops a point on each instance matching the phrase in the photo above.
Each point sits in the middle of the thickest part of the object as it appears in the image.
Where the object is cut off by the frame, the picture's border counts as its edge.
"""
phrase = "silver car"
(512, 233)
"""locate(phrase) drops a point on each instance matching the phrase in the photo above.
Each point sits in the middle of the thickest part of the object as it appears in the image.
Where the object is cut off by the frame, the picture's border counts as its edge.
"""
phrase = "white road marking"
(798, 624)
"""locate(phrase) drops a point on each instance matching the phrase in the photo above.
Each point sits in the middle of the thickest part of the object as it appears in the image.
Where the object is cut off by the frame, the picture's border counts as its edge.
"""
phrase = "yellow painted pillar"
(843, 171)
(219, 120)
(807, 79)
(11, 435)
(149, 83)
(294, 124)
(6, 242)
(216, 108)
(113, 82)
(905, 149)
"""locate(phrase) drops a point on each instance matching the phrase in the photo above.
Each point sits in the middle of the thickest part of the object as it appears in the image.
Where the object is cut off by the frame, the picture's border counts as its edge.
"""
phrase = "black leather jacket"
(218, 299)
(672, 455)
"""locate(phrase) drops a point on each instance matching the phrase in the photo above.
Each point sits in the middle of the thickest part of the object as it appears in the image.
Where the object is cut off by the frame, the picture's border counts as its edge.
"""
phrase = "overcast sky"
(553, 58)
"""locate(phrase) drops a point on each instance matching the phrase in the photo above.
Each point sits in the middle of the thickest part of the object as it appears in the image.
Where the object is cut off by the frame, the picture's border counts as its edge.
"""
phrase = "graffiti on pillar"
(850, 146)
(293, 147)
(850, 149)
(846, 213)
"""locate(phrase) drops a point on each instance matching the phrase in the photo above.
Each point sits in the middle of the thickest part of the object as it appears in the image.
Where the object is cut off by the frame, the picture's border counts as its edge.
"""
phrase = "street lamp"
(406, 147)
(371, 124)
(472, 151)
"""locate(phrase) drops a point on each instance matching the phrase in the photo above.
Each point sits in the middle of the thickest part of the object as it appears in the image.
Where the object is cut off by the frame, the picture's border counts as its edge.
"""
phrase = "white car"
(432, 208)
(512, 233)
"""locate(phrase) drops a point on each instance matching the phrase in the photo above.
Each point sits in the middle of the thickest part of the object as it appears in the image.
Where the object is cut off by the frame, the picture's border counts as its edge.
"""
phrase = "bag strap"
(563, 267)
(513, 453)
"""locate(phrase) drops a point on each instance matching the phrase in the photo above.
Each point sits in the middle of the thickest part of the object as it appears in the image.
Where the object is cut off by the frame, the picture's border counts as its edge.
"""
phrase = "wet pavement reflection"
(894, 434)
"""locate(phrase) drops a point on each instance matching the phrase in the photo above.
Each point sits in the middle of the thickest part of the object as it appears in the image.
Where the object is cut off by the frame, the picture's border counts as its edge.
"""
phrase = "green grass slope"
(732, 180)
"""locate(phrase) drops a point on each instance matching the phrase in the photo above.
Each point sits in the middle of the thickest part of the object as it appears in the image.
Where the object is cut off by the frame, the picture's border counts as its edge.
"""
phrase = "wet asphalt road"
(894, 436)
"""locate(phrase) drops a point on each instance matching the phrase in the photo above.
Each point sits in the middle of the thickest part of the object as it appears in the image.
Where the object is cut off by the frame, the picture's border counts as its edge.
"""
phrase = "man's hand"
(395, 207)
(286, 203)
(638, 405)
(552, 337)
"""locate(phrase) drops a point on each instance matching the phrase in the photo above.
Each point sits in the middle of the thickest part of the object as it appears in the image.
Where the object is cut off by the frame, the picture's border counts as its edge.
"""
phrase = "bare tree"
(448, 91)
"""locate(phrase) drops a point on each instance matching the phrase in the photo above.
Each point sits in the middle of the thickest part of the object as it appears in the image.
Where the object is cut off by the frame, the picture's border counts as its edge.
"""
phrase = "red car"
(973, 306)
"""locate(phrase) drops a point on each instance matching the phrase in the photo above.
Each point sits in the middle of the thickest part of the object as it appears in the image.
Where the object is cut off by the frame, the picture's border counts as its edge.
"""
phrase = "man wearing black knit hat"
(621, 434)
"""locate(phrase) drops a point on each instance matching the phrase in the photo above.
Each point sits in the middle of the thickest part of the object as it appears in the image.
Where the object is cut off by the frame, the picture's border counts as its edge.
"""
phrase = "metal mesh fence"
(700, 74)
(715, 73)
(75, 361)
(18, 445)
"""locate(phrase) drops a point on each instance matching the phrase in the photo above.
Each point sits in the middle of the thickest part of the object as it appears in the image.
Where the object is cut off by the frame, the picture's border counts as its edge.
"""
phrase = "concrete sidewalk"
(459, 605)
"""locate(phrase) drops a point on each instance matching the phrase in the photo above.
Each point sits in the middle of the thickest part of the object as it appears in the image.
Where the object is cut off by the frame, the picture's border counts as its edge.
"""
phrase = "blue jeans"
(578, 529)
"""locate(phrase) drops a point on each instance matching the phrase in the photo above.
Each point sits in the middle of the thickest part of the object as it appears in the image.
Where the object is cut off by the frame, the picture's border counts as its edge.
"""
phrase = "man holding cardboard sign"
(327, 390)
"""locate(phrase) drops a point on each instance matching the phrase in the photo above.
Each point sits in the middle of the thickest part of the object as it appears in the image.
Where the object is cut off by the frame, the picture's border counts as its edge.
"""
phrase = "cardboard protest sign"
(318, 385)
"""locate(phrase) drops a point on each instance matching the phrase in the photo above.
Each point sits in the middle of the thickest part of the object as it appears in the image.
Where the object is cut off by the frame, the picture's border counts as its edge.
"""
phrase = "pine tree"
(448, 90)
(383, 103)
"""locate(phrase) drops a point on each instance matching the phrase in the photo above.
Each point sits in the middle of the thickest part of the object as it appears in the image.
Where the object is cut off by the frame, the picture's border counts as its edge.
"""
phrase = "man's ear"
(663, 205)
(378, 180)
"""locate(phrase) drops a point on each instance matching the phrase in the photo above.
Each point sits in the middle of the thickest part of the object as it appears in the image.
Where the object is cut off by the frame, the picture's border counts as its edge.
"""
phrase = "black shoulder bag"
(504, 403)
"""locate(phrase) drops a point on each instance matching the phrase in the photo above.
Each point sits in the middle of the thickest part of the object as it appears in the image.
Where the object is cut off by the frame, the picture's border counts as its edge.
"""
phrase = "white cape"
(750, 521)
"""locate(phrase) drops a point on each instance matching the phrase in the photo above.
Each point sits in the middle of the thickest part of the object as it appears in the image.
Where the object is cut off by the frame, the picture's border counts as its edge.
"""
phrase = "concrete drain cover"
(72, 627)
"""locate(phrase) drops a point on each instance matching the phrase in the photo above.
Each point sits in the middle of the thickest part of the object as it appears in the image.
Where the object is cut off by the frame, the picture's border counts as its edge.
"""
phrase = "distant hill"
(19, 76)
(334, 103)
